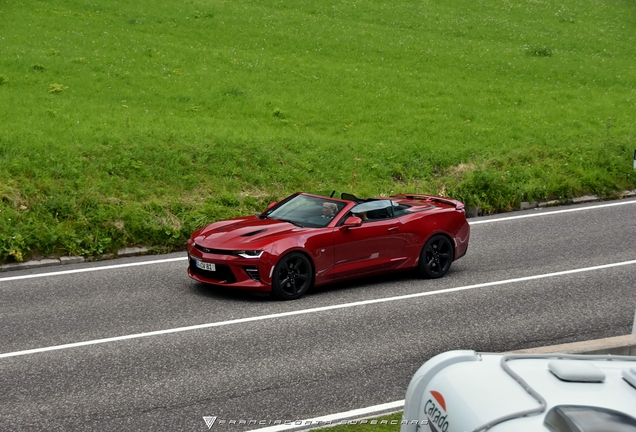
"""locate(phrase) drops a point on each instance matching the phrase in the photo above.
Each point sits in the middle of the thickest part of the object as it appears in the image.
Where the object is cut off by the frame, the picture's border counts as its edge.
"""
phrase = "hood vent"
(250, 234)
(227, 226)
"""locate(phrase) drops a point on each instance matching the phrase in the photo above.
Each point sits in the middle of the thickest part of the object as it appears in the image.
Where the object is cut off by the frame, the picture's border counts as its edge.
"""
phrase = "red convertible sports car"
(307, 240)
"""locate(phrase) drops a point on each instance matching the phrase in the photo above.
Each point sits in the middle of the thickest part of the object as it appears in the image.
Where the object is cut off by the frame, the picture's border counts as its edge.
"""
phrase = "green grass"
(387, 423)
(135, 123)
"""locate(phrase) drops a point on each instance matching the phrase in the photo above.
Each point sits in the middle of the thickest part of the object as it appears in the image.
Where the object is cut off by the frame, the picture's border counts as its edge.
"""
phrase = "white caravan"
(466, 391)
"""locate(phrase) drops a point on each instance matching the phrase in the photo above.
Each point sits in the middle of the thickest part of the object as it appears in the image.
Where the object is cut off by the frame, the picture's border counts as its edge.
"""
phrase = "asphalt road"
(555, 278)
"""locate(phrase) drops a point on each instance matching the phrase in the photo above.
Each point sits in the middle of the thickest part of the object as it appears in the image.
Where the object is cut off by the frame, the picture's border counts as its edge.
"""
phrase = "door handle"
(394, 229)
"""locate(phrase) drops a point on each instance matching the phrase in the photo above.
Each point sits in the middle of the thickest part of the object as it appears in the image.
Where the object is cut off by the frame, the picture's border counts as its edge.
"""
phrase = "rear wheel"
(436, 257)
(293, 276)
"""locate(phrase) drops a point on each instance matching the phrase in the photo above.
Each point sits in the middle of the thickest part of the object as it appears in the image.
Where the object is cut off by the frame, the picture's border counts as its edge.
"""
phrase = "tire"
(293, 276)
(436, 257)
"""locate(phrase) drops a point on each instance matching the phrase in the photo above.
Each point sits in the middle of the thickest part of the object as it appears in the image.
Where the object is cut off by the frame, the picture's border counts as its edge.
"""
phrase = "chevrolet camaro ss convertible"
(307, 240)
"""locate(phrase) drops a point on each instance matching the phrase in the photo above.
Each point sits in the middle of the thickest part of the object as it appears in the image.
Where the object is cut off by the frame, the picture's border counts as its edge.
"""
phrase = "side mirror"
(272, 204)
(352, 222)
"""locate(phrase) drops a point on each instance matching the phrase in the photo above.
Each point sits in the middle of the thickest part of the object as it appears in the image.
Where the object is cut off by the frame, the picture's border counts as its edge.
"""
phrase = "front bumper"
(252, 274)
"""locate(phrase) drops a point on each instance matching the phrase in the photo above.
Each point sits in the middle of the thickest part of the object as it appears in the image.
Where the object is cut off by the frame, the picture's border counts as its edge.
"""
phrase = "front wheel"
(293, 276)
(436, 257)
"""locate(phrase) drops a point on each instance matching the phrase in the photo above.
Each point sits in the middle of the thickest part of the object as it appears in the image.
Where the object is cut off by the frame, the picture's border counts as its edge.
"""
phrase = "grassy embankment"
(134, 123)
(386, 423)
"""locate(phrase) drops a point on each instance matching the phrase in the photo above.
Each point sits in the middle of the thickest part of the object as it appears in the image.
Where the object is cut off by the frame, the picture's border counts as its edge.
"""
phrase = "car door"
(377, 245)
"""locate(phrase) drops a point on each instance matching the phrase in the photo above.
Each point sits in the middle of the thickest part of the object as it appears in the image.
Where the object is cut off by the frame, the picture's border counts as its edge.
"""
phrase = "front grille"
(253, 273)
(222, 273)
(214, 251)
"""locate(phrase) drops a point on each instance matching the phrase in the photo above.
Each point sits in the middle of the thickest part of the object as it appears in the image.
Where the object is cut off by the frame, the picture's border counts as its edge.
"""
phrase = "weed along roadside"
(133, 126)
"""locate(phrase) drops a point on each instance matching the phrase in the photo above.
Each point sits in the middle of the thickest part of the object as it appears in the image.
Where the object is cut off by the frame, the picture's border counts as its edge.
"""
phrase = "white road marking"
(551, 213)
(91, 269)
(333, 419)
(477, 222)
(313, 310)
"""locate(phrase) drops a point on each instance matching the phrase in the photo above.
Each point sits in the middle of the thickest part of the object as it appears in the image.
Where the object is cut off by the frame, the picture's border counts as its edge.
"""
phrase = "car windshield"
(306, 211)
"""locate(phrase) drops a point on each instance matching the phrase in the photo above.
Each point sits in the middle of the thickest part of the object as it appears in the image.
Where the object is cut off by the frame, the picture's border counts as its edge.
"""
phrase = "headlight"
(250, 253)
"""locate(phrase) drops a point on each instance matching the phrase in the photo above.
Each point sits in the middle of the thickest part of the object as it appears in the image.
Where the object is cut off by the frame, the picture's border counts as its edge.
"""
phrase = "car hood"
(251, 233)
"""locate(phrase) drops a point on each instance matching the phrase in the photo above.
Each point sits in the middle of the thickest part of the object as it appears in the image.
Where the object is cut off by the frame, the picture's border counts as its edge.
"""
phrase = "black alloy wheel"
(436, 257)
(293, 276)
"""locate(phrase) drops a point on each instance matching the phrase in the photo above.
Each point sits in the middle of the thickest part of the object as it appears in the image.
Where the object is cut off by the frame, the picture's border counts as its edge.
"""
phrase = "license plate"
(206, 266)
